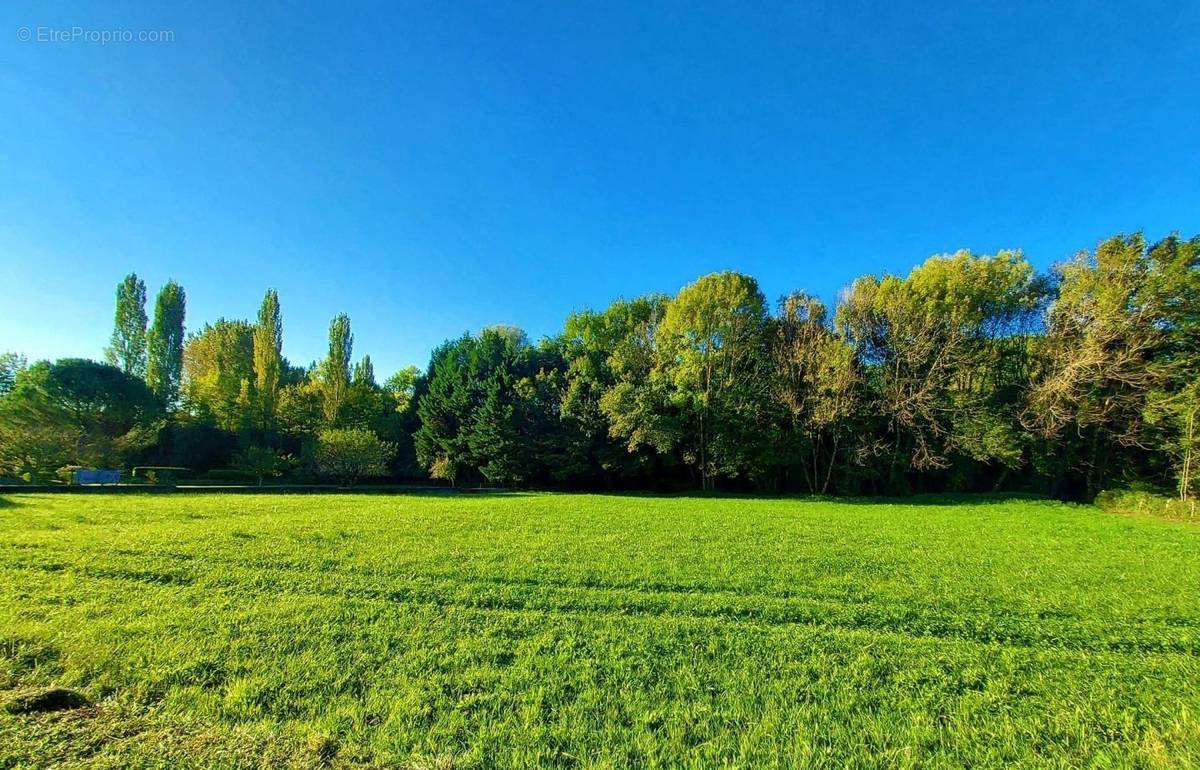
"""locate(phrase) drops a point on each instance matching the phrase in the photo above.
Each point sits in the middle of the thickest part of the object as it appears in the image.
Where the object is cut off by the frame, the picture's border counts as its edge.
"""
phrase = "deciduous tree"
(349, 454)
(817, 381)
(34, 443)
(112, 415)
(402, 386)
(164, 344)
(268, 359)
(937, 349)
(1105, 330)
(712, 349)
(127, 347)
(218, 373)
(262, 462)
(11, 364)
(335, 370)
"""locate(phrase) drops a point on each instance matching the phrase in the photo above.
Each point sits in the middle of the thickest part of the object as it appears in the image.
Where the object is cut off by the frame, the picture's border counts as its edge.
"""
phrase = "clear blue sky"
(431, 168)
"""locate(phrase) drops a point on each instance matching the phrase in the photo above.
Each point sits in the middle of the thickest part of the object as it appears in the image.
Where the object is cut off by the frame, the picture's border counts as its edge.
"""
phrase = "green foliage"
(164, 344)
(1101, 335)
(235, 475)
(99, 398)
(301, 408)
(941, 349)
(262, 462)
(1177, 414)
(34, 442)
(612, 363)
(196, 443)
(926, 381)
(366, 405)
(494, 439)
(11, 364)
(441, 439)
(349, 454)
(1143, 503)
(335, 370)
(711, 356)
(1122, 354)
(268, 359)
(526, 630)
(970, 373)
(127, 347)
(489, 410)
(817, 381)
(401, 387)
(1175, 281)
(158, 475)
(218, 373)
(75, 411)
(364, 374)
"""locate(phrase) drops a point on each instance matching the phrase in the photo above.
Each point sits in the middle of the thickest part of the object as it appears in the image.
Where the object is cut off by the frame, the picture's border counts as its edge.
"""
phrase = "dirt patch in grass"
(45, 699)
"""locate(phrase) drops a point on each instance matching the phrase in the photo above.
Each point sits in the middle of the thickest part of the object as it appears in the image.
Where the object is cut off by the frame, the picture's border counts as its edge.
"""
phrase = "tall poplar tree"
(127, 348)
(364, 372)
(164, 344)
(268, 358)
(335, 370)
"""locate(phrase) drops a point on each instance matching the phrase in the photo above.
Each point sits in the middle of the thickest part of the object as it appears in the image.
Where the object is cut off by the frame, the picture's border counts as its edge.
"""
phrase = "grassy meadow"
(542, 630)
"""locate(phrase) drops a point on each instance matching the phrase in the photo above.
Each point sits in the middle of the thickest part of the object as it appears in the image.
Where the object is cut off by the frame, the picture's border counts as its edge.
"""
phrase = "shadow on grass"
(949, 499)
(266, 489)
(944, 498)
(927, 499)
(388, 490)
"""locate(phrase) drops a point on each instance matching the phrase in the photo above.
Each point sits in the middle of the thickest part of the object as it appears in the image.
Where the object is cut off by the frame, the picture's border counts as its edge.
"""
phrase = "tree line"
(971, 373)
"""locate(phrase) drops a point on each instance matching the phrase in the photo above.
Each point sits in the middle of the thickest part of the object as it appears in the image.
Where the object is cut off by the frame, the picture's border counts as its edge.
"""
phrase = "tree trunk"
(829, 470)
(1189, 442)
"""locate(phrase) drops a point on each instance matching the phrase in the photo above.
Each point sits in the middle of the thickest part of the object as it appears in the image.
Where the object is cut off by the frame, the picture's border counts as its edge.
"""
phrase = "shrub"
(66, 474)
(442, 469)
(1146, 503)
(349, 454)
(259, 462)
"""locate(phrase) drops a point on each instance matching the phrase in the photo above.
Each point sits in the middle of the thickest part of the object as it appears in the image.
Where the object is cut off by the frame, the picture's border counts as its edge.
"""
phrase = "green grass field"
(596, 631)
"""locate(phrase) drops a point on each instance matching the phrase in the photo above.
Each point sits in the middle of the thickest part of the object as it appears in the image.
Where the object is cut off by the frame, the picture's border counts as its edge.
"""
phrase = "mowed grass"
(544, 630)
